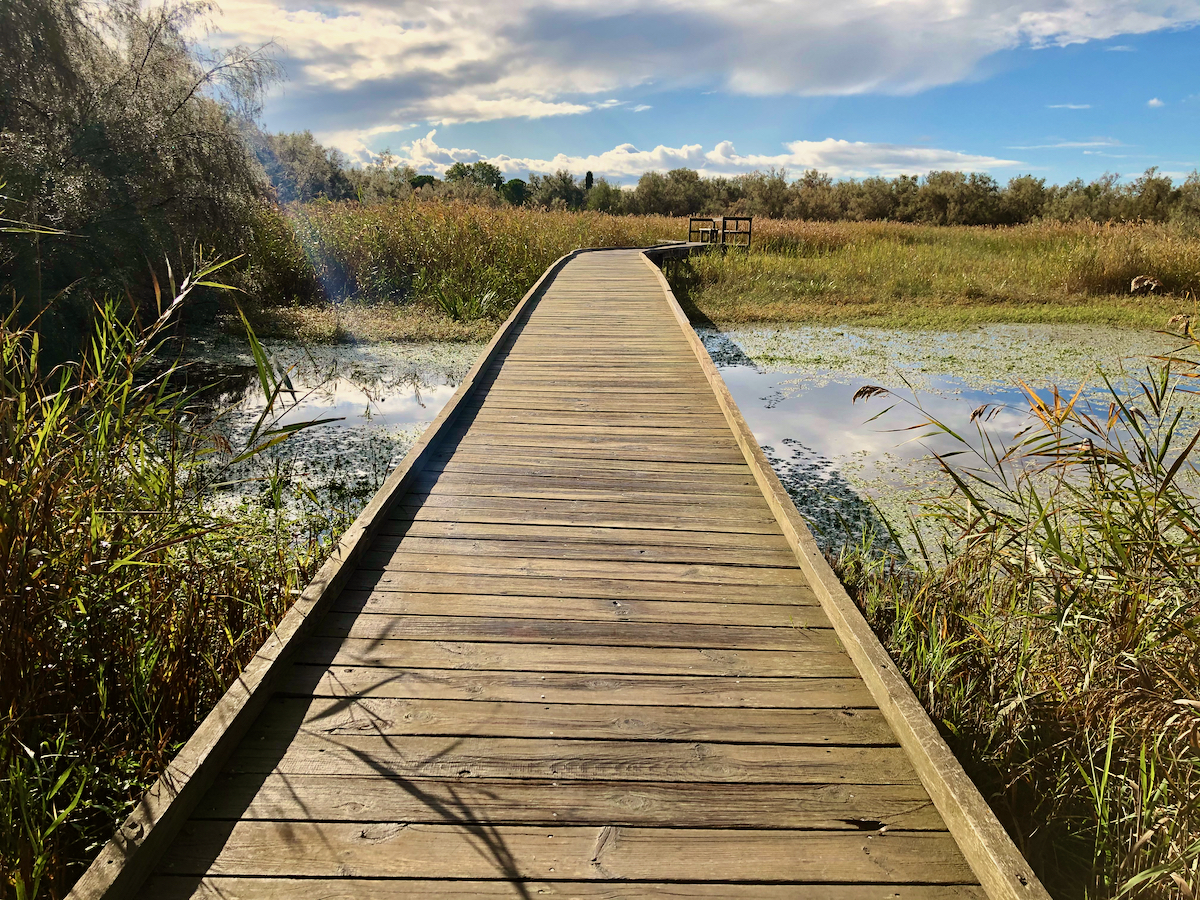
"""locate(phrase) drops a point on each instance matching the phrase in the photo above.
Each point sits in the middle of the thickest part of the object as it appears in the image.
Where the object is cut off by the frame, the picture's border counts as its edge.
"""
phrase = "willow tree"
(120, 142)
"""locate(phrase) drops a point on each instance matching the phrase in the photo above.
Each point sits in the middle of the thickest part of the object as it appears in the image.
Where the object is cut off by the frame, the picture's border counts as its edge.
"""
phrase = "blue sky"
(1059, 88)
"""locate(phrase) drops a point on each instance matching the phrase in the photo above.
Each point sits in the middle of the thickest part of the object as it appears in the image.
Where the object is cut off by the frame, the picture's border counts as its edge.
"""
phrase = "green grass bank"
(919, 276)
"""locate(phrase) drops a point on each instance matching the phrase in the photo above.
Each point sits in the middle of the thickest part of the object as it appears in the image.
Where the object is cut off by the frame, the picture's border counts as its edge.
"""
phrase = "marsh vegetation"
(896, 275)
(1049, 620)
(1047, 613)
(129, 601)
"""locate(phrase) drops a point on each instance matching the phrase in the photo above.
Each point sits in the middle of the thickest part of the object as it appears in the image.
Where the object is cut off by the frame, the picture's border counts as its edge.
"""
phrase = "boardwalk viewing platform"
(580, 646)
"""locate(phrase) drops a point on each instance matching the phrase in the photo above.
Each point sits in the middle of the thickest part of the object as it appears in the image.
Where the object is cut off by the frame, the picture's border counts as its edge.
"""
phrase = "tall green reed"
(420, 251)
(127, 603)
(1048, 615)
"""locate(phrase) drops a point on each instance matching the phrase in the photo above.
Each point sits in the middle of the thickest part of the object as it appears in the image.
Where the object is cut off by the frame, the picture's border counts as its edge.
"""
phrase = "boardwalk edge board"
(128, 859)
(997, 863)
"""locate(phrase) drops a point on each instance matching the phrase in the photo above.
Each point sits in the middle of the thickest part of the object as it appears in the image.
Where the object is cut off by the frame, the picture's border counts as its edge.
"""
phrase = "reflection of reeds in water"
(128, 605)
(830, 504)
(1050, 618)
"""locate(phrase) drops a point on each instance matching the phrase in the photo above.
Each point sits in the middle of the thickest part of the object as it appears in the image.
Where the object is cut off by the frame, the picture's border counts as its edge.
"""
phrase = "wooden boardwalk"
(578, 656)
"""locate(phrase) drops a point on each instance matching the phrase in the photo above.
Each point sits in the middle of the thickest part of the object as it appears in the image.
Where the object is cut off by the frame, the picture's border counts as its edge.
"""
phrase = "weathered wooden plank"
(466, 459)
(625, 419)
(751, 513)
(458, 756)
(559, 567)
(612, 439)
(702, 452)
(452, 851)
(562, 490)
(686, 435)
(573, 658)
(348, 798)
(552, 548)
(657, 539)
(167, 887)
(659, 452)
(582, 609)
(601, 365)
(561, 586)
(700, 691)
(594, 486)
(499, 398)
(514, 630)
(511, 471)
(572, 385)
(498, 718)
(567, 513)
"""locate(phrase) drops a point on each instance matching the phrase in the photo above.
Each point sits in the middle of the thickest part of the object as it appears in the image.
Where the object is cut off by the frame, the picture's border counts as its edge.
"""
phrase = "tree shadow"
(230, 798)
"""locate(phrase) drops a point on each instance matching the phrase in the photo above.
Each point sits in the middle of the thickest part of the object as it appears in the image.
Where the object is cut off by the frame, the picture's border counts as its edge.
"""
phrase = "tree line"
(301, 169)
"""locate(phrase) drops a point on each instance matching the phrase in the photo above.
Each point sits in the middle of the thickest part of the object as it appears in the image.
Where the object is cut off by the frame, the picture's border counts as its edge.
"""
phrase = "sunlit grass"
(894, 275)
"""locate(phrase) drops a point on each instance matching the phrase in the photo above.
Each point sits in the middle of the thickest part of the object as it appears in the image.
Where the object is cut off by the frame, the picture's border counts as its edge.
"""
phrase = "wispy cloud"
(642, 107)
(1154, 102)
(1069, 106)
(626, 162)
(1121, 48)
(1072, 145)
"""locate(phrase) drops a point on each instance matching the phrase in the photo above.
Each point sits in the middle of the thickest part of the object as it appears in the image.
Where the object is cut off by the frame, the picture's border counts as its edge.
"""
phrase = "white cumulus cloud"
(844, 159)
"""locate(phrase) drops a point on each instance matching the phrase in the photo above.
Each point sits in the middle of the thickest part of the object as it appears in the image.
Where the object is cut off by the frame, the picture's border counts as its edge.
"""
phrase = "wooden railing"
(729, 231)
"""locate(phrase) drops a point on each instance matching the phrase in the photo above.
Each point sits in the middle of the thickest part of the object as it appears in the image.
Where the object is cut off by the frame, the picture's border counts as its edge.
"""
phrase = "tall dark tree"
(557, 191)
(513, 191)
(300, 169)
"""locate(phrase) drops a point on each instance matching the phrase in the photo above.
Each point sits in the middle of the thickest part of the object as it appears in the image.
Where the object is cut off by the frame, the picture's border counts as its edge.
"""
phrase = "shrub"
(117, 134)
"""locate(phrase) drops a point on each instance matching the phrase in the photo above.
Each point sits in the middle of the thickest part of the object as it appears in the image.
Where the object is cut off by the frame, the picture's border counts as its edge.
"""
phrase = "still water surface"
(794, 386)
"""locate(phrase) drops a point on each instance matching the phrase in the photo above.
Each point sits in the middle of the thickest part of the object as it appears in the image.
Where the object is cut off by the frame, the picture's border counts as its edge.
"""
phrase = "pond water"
(794, 386)
(380, 398)
(840, 463)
